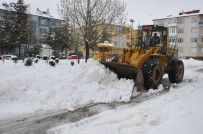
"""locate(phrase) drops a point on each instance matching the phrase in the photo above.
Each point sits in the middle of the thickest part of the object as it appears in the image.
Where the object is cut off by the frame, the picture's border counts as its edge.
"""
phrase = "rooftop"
(45, 14)
(183, 14)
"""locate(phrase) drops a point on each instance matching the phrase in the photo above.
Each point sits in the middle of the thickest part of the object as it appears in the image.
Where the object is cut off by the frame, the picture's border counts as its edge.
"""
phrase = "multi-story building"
(186, 32)
(41, 22)
(121, 35)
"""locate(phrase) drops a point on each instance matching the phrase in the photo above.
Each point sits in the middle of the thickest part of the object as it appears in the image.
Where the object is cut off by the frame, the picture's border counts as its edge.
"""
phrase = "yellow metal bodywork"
(97, 57)
(138, 55)
(132, 61)
(133, 58)
(130, 65)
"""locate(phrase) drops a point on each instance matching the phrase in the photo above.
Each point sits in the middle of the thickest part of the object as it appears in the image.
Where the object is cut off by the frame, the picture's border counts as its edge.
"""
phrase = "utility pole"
(131, 20)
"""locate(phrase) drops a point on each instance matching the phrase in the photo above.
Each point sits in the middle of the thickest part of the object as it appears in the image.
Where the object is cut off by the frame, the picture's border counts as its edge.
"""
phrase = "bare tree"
(90, 15)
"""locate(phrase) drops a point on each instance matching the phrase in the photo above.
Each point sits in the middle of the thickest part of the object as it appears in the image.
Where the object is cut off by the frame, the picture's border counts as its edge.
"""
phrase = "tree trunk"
(87, 51)
(66, 52)
(19, 52)
(76, 49)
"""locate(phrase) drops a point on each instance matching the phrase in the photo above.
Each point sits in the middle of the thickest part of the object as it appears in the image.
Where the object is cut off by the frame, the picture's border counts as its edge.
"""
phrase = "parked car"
(9, 57)
(73, 57)
(53, 57)
(45, 57)
(37, 56)
(63, 56)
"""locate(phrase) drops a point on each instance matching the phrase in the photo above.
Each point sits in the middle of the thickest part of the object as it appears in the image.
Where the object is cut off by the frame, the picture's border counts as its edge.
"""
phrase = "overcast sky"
(142, 11)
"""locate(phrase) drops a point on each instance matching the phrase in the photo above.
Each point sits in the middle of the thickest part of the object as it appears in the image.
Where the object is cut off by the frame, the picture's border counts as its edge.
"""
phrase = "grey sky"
(142, 11)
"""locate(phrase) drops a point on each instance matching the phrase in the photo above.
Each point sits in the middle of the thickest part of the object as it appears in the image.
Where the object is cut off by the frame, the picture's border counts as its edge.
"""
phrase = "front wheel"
(152, 72)
(176, 71)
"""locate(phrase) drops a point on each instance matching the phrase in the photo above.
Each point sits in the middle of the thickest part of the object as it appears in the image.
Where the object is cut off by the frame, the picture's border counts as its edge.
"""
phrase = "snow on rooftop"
(182, 14)
(6, 8)
(45, 14)
(45, 46)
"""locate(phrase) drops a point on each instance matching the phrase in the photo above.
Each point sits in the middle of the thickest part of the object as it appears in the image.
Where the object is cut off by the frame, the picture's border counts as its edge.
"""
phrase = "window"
(43, 31)
(171, 21)
(193, 49)
(52, 23)
(180, 21)
(172, 39)
(115, 43)
(43, 21)
(202, 39)
(119, 29)
(1, 16)
(42, 41)
(194, 30)
(193, 39)
(172, 30)
(161, 23)
(180, 40)
(180, 50)
(180, 30)
(195, 20)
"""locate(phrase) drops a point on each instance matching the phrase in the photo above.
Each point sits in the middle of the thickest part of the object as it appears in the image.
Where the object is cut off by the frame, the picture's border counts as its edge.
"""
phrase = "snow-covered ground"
(178, 112)
(38, 88)
(41, 87)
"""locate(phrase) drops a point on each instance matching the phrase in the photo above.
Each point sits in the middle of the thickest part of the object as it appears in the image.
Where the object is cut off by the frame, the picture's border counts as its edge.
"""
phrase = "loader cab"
(149, 31)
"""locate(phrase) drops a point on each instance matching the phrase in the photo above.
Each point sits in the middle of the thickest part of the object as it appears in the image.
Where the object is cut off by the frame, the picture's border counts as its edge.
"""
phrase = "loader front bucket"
(123, 70)
(127, 71)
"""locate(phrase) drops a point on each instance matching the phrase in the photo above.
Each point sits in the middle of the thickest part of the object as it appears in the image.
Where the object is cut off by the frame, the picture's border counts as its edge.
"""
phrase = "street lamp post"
(131, 20)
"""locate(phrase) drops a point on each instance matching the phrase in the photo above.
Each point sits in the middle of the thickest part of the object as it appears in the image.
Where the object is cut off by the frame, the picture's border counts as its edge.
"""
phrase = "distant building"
(120, 34)
(186, 31)
(40, 23)
(45, 50)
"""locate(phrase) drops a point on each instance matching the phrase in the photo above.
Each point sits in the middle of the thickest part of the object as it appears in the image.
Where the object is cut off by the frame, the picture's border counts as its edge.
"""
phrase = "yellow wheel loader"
(149, 59)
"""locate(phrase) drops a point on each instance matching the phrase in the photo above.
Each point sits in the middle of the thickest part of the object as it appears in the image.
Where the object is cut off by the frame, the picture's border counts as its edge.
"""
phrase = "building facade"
(40, 22)
(121, 35)
(185, 32)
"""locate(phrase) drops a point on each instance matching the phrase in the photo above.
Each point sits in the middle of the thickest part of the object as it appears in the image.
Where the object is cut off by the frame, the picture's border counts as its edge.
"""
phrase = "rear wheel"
(176, 71)
(152, 72)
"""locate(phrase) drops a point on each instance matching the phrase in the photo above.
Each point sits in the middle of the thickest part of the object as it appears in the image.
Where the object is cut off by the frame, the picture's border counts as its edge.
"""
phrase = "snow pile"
(42, 87)
(192, 64)
(155, 91)
(177, 112)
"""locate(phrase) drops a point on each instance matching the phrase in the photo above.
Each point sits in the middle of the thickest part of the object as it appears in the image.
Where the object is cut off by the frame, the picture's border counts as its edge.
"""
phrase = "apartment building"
(41, 22)
(186, 32)
(121, 35)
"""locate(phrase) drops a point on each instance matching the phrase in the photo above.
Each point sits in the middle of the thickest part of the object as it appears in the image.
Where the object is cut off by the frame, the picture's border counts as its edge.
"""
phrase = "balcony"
(172, 25)
(201, 23)
(200, 45)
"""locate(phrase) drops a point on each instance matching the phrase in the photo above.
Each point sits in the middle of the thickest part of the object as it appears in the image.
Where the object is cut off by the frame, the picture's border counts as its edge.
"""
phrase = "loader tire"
(176, 71)
(152, 73)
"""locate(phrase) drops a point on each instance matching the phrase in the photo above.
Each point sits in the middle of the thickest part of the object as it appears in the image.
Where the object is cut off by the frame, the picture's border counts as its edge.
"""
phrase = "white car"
(9, 57)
